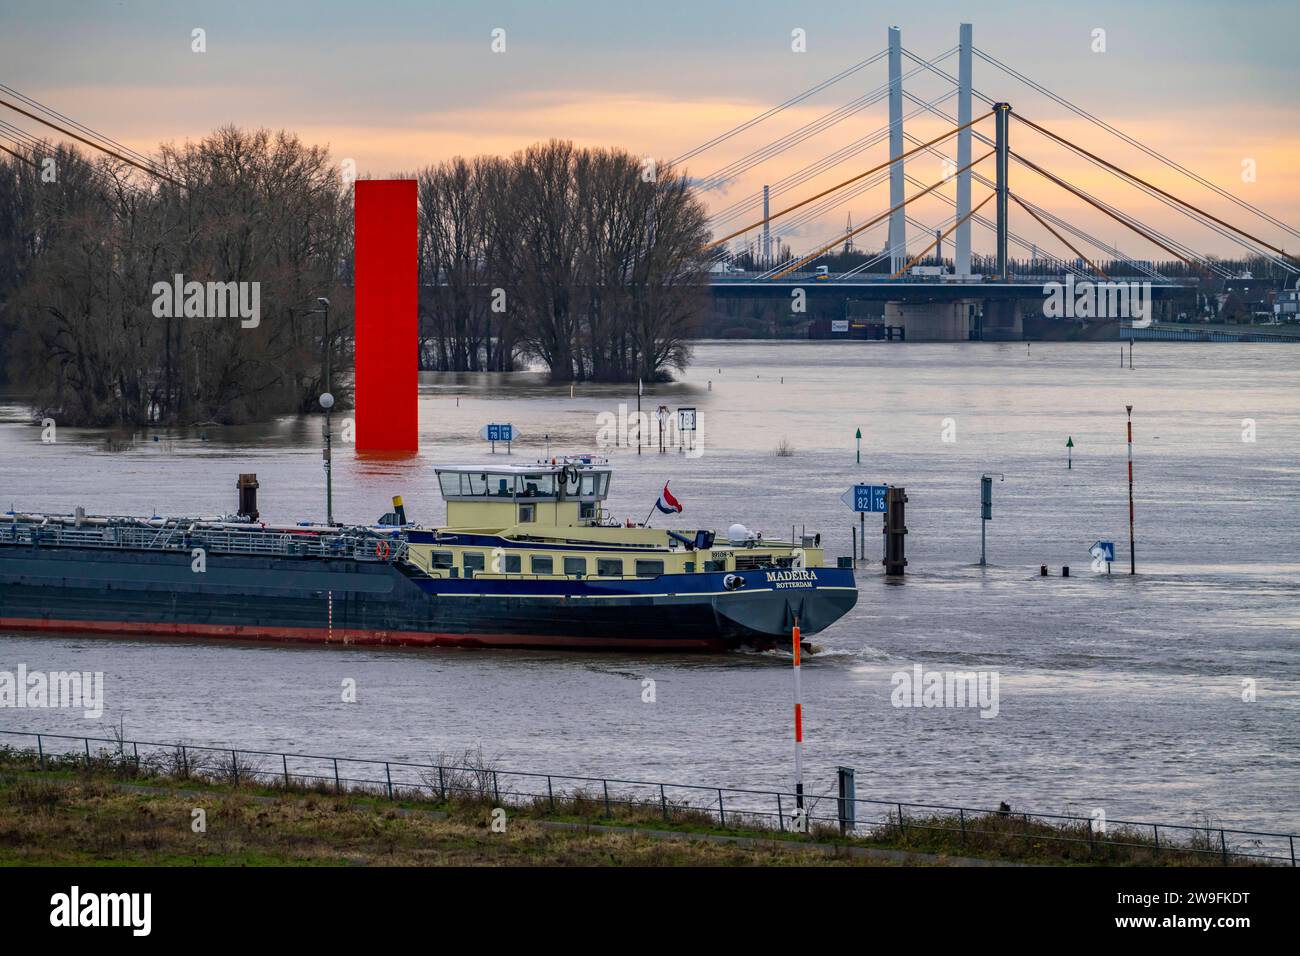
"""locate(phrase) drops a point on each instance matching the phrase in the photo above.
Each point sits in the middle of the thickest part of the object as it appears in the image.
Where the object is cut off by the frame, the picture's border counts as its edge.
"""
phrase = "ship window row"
(474, 562)
(543, 484)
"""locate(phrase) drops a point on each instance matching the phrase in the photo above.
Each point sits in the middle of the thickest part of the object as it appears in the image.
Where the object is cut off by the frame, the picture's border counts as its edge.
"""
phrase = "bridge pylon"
(1002, 119)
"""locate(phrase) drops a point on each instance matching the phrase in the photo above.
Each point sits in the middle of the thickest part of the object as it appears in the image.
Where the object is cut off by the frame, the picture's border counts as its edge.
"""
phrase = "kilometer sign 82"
(866, 498)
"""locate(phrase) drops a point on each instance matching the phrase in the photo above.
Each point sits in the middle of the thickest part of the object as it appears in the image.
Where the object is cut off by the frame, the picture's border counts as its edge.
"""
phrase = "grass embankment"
(113, 812)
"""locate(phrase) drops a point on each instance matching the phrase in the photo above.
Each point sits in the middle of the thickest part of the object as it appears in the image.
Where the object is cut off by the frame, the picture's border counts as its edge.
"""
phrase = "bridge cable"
(1134, 142)
(815, 168)
(793, 138)
(884, 215)
(986, 141)
(938, 239)
(94, 145)
(1042, 222)
(1182, 202)
(76, 125)
(1106, 209)
(817, 88)
(874, 169)
(1114, 252)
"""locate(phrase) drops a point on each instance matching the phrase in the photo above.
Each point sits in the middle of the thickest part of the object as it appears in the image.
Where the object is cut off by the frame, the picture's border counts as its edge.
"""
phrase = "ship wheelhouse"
(567, 492)
(548, 521)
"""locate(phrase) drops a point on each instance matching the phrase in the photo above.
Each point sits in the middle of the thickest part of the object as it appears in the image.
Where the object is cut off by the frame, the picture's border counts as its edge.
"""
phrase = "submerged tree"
(584, 258)
(85, 336)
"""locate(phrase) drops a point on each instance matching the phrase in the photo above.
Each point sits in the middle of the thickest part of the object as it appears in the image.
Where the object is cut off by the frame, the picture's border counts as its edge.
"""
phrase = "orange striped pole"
(798, 725)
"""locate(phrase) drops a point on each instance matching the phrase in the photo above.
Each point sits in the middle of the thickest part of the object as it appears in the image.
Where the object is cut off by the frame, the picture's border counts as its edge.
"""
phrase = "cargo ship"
(529, 557)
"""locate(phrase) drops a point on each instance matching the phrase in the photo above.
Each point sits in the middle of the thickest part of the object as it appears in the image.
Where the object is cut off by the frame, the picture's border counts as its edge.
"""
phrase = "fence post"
(663, 807)
(902, 830)
(40, 750)
(550, 792)
(780, 812)
(1155, 831)
(442, 786)
(496, 790)
(136, 748)
(1292, 841)
(338, 786)
(1090, 848)
(284, 761)
(1223, 846)
(722, 814)
(961, 815)
(605, 784)
(234, 763)
(388, 775)
(185, 763)
(87, 743)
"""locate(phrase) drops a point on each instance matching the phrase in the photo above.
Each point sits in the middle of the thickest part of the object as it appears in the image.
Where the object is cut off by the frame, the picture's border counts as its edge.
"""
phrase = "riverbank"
(107, 810)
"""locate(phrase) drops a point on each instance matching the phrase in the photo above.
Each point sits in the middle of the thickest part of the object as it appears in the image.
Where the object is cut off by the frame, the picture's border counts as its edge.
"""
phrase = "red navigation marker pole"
(1132, 555)
(798, 726)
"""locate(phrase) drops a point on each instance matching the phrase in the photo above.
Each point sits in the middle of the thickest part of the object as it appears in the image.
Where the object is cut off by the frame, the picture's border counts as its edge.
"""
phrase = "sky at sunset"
(396, 86)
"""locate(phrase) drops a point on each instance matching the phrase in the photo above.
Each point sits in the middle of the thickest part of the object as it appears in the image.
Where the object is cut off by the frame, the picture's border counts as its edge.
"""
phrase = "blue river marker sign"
(869, 498)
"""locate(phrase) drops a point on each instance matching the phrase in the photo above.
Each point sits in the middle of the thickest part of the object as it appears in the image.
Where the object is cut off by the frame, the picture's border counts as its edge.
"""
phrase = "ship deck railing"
(358, 544)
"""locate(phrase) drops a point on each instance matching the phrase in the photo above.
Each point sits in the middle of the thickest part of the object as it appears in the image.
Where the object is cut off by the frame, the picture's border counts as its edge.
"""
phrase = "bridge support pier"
(932, 321)
(1002, 322)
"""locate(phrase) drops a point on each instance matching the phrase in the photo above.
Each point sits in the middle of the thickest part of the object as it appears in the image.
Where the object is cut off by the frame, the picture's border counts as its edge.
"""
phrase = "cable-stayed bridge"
(976, 148)
(987, 145)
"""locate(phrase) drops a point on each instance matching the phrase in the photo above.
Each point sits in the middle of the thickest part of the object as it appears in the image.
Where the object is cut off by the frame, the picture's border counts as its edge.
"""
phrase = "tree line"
(584, 259)
(587, 259)
(84, 246)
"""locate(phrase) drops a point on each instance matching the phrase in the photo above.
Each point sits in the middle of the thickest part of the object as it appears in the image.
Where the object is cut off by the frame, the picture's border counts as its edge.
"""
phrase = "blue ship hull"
(320, 599)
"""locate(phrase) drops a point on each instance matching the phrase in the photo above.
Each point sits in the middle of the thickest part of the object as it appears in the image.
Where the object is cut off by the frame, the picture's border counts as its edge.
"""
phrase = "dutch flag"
(667, 503)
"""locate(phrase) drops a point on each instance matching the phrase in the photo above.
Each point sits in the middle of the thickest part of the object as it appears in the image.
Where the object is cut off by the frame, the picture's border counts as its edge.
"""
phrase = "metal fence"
(731, 806)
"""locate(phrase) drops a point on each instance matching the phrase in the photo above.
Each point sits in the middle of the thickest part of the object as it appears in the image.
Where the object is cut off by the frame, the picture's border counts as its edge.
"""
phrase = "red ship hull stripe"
(321, 635)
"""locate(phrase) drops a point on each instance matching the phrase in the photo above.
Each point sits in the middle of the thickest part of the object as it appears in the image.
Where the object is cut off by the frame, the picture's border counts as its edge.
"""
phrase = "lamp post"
(327, 403)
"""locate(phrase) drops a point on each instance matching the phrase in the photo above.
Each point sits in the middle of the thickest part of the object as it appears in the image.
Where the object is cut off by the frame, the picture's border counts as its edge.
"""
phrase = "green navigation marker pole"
(859, 437)
(1069, 452)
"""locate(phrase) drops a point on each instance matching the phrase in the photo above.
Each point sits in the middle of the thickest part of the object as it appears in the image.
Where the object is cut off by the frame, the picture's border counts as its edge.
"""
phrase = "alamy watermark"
(922, 688)
(208, 300)
(628, 428)
(1098, 300)
(62, 689)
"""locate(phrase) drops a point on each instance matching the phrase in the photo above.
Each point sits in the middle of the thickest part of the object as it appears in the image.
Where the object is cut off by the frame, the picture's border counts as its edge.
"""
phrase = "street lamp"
(327, 403)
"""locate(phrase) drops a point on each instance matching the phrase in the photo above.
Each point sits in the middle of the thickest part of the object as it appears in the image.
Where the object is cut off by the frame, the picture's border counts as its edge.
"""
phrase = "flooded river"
(1114, 692)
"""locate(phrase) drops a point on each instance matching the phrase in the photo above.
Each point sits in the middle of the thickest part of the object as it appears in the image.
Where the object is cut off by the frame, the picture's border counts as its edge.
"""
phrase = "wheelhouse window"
(441, 559)
(586, 510)
(594, 484)
(575, 565)
(539, 485)
(527, 513)
(649, 569)
(609, 567)
(512, 564)
(473, 562)
(540, 564)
